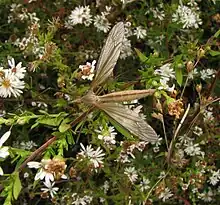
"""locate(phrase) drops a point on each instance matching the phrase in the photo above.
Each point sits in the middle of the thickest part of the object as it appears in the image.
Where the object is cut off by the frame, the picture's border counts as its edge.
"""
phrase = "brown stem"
(37, 152)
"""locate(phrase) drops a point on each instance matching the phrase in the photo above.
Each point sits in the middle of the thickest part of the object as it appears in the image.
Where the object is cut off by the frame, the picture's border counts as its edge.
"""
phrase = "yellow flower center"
(6, 83)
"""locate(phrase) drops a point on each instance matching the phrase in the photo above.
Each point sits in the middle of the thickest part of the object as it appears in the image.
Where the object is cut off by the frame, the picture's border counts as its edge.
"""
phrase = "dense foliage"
(55, 150)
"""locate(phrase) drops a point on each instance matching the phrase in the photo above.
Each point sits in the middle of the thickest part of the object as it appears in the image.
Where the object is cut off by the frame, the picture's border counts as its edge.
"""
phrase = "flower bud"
(189, 66)
(198, 88)
(201, 53)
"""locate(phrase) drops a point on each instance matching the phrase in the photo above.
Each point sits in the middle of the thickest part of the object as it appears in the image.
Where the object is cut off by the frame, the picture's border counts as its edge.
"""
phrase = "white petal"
(4, 152)
(1, 171)
(5, 137)
(33, 164)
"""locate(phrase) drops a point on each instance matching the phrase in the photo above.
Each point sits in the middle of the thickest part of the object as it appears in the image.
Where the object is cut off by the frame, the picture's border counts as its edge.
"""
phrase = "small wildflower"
(49, 169)
(26, 175)
(101, 23)
(10, 85)
(166, 194)
(207, 74)
(95, 157)
(106, 187)
(206, 196)
(208, 116)
(87, 71)
(28, 145)
(197, 130)
(144, 184)
(214, 179)
(80, 15)
(186, 16)
(165, 86)
(49, 188)
(81, 200)
(131, 173)
(140, 32)
(166, 72)
(108, 136)
(18, 70)
(193, 150)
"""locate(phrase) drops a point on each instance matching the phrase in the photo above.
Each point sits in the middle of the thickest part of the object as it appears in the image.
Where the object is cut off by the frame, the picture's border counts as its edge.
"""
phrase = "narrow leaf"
(142, 57)
(179, 75)
(17, 185)
(217, 34)
(214, 53)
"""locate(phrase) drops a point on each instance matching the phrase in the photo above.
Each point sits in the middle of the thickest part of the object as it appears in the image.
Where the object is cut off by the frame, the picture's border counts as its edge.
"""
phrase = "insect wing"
(130, 120)
(109, 54)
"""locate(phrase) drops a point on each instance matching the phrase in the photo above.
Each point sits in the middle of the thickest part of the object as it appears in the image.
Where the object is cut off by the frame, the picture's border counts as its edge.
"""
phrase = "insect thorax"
(90, 98)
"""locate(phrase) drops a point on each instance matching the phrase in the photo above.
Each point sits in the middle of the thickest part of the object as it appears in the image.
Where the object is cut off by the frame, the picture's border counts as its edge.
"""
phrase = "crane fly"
(108, 103)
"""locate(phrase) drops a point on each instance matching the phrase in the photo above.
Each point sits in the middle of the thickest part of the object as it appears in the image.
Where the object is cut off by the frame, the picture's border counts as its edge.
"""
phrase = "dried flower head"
(175, 108)
(57, 167)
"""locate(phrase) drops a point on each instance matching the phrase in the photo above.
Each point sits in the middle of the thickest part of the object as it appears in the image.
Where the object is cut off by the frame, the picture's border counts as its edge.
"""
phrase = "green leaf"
(217, 34)
(214, 53)
(179, 75)
(64, 126)
(17, 185)
(142, 57)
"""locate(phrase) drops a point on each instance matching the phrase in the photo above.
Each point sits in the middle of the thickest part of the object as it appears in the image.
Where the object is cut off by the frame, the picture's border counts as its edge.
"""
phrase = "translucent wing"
(109, 54)
(130, 120)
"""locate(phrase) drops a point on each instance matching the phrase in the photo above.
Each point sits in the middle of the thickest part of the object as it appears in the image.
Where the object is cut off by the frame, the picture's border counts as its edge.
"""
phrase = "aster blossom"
(50, 188)
(49, 169)
(131, 173)
(102, 23)
(166, 194)
(107, 136)
(80, 15)
(187, 16)
(140, 32)
(18, 70)
(10, 84)
(95, 157)
(88, 70)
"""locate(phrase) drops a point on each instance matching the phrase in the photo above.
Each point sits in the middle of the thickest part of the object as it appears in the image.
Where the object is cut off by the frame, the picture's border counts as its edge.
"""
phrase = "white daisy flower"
(80, 15)
(88, 70)
(18, 70)
(102, 23)
(207, 74)
(49, 188)
(107, 136)
(166, 72)
(10, 85)
(165, 86)
(144, 184)
(140, 32)
(131, 173)
(193, 150)
(166, 194)
(214, 179)
(95, 157)
(186, 16)
(42, 173)
(206, 196)
(48, 169)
